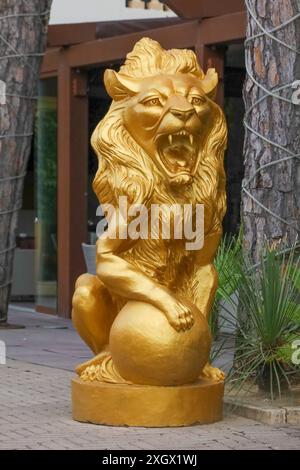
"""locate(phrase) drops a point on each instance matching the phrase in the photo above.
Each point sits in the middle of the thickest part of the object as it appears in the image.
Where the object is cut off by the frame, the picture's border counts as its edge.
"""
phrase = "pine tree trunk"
(20, 37)
(275, 214)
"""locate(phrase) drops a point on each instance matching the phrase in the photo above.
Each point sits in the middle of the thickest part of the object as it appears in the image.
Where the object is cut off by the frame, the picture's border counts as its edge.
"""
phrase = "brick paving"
(35, 413)
(35, 410)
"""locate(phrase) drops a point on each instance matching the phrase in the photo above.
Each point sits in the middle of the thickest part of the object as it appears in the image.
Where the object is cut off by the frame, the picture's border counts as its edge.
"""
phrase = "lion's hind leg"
(93, 314)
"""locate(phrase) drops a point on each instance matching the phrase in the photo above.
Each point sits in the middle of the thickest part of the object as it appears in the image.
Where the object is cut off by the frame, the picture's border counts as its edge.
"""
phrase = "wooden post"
(72, 179)
(209, 57)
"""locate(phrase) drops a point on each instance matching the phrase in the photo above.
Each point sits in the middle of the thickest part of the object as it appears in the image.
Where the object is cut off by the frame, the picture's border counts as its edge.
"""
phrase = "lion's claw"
(213, 373)
(179, 316)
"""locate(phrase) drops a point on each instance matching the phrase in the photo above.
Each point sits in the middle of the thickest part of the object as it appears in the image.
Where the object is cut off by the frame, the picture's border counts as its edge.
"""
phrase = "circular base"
(147, 405)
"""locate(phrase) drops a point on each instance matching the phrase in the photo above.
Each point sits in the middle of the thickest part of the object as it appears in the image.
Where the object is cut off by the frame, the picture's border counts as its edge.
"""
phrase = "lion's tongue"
(181, 163)
(175, 162)
(175, 156)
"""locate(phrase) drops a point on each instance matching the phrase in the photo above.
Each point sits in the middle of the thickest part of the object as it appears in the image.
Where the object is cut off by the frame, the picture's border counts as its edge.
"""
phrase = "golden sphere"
(147, 350)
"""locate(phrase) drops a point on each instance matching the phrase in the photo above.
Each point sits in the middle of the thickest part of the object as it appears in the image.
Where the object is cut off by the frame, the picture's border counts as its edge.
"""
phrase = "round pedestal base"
(145, 405)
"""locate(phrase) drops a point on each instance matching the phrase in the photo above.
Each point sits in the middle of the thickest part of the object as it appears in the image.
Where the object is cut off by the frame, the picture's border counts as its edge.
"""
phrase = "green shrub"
(268, 321)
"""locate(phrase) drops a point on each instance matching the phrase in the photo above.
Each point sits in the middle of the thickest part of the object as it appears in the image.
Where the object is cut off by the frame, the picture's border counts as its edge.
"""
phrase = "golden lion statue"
(144, 315)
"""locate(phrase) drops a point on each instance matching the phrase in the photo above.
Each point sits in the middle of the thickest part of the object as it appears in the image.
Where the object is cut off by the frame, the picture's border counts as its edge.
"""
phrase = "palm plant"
(268, 321)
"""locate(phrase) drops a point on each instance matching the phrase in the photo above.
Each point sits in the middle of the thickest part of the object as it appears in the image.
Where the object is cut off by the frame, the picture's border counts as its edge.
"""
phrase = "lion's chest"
(166, 261)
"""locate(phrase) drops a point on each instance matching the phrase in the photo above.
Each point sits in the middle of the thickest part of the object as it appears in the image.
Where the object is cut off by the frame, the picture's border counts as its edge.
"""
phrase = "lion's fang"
(170, 139)
(191, 139)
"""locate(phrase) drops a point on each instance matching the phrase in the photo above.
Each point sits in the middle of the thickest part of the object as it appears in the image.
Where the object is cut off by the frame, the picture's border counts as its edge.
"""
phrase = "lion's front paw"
(179, 316)
(213, 373)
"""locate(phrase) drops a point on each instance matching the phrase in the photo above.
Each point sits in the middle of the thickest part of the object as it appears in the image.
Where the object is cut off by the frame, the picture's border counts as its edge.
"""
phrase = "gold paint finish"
(146, 349)
(144, 315)
(148, 406)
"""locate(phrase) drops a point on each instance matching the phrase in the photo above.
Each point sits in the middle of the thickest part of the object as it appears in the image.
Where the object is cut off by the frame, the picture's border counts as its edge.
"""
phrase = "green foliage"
(268, 321)
(46, 185)
(227, 261)
(46, 159)
(295, 278)
(262, 304)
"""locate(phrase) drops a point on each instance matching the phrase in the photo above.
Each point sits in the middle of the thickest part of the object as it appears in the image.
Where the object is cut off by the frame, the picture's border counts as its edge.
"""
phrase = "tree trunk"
(22, 43)
(271, 195)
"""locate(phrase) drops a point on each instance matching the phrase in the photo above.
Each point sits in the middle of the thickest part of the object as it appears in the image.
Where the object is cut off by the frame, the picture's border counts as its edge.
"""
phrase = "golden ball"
(147, 350)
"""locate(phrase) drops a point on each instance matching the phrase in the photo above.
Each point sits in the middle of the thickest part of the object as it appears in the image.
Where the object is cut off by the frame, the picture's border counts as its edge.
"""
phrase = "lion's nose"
(182, 114)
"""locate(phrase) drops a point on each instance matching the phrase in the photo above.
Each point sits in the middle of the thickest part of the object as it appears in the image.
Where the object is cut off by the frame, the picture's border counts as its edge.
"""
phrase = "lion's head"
(163, 128)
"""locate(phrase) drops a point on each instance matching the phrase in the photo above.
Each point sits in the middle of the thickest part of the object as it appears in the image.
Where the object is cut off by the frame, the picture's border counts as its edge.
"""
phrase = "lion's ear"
(209, 83)
(120, 86)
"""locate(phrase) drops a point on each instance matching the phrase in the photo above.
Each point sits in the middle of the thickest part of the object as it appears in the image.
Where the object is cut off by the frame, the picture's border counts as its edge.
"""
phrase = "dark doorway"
(234, 76)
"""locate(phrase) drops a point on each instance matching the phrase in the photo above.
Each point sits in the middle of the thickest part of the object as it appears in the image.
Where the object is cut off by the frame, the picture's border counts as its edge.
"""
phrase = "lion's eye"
(152, 102)
(196, 100)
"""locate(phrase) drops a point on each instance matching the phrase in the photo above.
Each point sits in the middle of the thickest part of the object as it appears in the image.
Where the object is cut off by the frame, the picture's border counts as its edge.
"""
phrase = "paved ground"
(46, 340)
(35, 408)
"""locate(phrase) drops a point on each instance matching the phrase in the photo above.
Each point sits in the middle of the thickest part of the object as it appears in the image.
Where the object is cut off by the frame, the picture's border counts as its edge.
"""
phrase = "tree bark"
(20, 38)
(275, 216)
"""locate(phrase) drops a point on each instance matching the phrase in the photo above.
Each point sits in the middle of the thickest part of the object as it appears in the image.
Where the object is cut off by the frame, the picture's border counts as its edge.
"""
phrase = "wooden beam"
(68, 34)
(63, 185)
(112, 49)
(192, 9)
(50, 62)
(72, 180)
(63, 35)
(108, 29)
(223, 29)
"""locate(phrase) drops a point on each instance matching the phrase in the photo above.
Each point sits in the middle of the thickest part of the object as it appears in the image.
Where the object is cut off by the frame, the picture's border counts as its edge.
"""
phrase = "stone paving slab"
(35, 413)
(264, 413)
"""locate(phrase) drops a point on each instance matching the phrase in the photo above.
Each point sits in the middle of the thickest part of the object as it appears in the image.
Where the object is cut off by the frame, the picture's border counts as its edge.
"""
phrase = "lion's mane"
(126, 169)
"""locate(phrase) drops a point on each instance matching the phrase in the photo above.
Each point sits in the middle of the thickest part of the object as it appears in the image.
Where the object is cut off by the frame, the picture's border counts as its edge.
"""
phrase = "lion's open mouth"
(177, 152)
